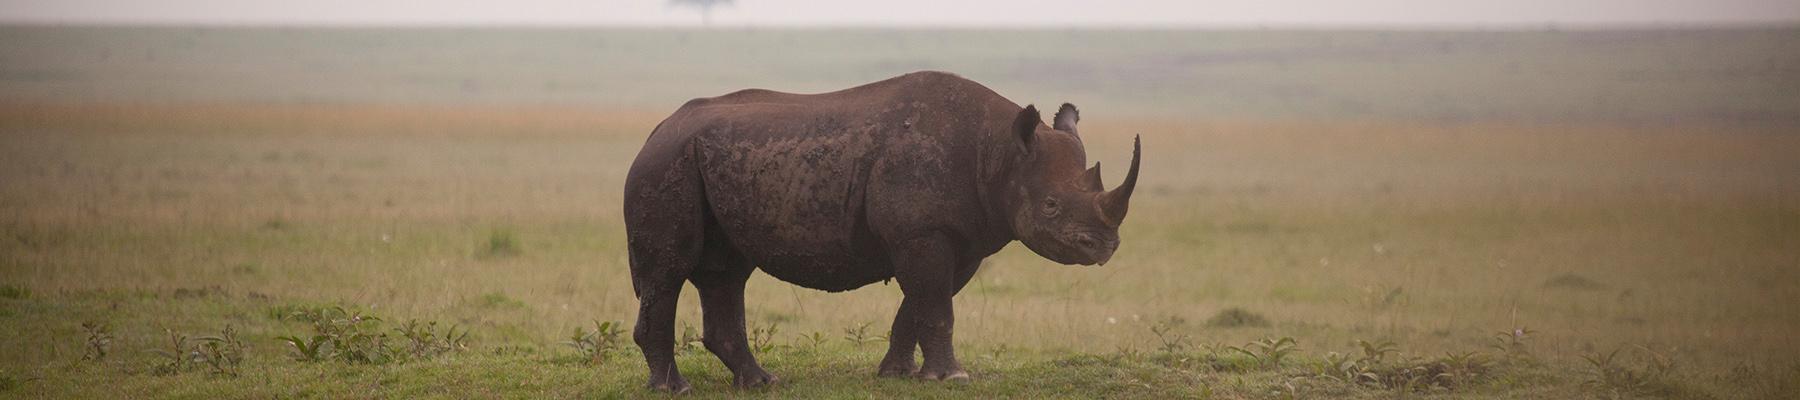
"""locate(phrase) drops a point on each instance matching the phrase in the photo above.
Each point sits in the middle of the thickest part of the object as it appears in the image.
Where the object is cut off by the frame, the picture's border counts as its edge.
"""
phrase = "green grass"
(836, 368)
(152, 219)
(490, 367)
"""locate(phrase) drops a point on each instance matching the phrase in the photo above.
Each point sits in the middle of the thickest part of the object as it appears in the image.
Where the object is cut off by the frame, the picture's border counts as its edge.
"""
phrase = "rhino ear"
(1066, 117)
(1026, 125)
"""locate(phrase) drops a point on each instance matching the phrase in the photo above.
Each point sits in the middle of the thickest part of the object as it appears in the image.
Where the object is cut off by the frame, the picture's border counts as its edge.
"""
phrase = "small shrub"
(1269, 351)
(596, 345)
(292, 312)
(1375, 368)
(99, 340)
(1168, 334)
(1340, 367)
(1618, 378)
(306, 350)
(996, 352)
(691, 340)
(354, 338)
(223, 353)
(14, 292)
(1418, 375)
(175, 359)
(1512, 346)
(1376, 352)
(7, 381)
(859, 335)
(1459, 369)
(762, 338)
(1236, 317)
(814, 340)
(501, 244)
(423, 340)
(359, 340)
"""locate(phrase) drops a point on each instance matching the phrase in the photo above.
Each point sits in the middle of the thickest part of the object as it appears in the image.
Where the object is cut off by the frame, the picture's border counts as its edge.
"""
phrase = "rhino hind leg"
(655, 335)
(903, 343)
(665, 222)
(655, 330)
(720, 280)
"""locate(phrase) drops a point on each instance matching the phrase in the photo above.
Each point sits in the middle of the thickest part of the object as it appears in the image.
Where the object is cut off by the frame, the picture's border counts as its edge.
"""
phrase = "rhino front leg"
(903, 340)
(926, 271)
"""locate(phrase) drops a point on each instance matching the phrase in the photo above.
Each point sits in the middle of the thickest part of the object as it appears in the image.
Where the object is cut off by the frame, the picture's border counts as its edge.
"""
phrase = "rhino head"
(1059, 210)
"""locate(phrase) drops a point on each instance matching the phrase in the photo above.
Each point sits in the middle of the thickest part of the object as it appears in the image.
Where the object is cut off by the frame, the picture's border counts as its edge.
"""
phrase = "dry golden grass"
(1432, 235)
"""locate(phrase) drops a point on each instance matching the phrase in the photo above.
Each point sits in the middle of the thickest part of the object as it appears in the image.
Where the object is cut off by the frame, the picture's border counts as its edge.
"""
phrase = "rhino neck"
(994, 186)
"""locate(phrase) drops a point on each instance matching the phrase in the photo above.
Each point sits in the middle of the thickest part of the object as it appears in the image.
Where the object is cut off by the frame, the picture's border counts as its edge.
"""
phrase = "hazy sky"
(1038, 13)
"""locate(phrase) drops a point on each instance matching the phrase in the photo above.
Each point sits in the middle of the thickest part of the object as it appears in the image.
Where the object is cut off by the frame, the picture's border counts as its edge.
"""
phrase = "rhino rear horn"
(1091, 179)
(1116, 202)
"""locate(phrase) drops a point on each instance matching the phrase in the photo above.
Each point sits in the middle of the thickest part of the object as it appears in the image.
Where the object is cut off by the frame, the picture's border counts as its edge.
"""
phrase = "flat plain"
(1436, 214)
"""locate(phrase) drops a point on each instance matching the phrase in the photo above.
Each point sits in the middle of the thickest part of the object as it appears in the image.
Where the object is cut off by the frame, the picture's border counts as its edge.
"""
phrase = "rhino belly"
(832, 272)
(813, 252)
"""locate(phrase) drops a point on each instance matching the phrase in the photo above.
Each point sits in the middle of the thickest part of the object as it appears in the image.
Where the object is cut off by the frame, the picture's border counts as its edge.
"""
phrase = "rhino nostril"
(1086, 241)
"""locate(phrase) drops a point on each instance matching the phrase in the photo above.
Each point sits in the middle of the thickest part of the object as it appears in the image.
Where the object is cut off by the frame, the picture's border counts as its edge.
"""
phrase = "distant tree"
(704, 6)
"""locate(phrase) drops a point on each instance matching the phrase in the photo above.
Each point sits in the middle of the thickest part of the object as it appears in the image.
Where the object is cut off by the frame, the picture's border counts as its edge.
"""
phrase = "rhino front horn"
(1116, 202)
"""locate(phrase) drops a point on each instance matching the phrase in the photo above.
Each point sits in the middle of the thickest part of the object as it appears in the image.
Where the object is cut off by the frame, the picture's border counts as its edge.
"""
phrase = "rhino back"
(808, 186)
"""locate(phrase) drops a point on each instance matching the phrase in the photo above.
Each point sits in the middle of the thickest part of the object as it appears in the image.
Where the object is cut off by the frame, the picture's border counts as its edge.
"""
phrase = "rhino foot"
(672, 386)
(897, 370)
(943, 375)
(755, 380)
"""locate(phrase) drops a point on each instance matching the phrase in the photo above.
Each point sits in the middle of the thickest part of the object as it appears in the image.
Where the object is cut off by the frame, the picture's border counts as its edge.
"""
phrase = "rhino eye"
(1051, 208)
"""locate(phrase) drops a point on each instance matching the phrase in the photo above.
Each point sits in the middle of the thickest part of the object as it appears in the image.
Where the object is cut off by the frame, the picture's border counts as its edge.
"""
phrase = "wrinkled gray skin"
(916, 178)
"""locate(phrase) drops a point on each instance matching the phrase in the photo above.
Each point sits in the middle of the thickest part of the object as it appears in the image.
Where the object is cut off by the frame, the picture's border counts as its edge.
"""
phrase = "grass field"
(149, 207)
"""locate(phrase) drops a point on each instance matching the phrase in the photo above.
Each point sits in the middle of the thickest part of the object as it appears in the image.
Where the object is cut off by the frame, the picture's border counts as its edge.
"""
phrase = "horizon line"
(1289, 26)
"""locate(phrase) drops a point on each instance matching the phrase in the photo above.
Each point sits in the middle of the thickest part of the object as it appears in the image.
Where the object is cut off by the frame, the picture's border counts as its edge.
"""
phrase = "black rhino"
(915, 178)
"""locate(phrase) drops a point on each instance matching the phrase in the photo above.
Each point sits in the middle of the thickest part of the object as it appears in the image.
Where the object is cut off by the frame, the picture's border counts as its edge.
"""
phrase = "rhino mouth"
(1079, 248)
